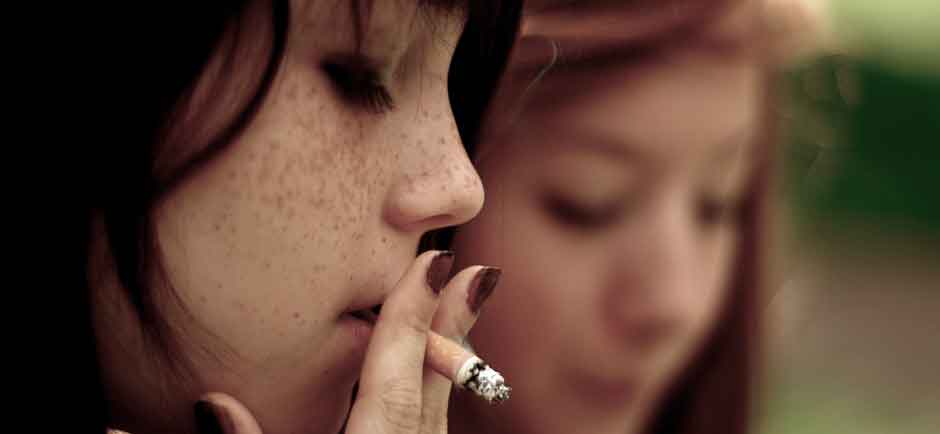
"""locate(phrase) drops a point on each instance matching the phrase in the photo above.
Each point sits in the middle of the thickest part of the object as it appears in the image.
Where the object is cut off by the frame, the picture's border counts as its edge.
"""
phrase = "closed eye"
(359, 83)
(712, 212)
(575, 215)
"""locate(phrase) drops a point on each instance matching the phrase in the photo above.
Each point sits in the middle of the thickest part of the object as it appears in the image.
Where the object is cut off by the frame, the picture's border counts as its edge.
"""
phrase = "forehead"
(675, 104)
(369, 22)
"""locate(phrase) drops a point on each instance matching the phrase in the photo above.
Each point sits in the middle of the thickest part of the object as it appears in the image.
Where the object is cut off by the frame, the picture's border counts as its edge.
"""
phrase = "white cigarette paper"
(465, 369)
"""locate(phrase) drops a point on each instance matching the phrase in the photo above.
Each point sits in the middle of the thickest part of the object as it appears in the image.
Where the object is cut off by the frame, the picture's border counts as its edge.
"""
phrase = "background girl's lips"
(644, 335)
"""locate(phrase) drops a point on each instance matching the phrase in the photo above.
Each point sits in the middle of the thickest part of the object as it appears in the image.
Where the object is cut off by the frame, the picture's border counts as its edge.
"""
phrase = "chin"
(328, 419)
(306, 403)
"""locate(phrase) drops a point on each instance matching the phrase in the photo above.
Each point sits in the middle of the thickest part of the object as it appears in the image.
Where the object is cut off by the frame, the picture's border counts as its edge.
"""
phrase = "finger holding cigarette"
(394, 387)
(459, 309)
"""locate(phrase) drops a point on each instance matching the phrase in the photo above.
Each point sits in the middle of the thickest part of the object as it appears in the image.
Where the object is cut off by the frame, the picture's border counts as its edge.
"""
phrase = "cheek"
(702, 304)
(534, 309)
(720, 264)
(256, 240)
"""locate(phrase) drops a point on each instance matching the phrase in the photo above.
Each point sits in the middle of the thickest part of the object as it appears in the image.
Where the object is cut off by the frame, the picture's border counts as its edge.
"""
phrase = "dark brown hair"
(134, 153)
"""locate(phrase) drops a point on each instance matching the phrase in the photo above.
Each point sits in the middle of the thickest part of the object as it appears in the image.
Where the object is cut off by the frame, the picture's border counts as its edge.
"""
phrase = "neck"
(133, 371)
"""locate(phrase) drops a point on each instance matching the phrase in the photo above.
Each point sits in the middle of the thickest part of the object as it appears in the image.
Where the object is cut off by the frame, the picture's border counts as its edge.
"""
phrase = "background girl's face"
(317, 208)
(612, 211)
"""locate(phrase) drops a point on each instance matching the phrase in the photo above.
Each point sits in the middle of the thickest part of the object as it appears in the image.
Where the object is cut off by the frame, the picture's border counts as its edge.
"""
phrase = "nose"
(660, 261)
(437, 186)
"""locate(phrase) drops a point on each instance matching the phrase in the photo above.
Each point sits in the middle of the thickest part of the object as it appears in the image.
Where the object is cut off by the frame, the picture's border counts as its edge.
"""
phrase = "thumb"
(218, 413)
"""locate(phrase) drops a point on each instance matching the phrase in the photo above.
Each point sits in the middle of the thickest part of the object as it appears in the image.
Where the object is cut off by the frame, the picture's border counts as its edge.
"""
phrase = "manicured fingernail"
(439, 270)
(482, 287)
(208, 418)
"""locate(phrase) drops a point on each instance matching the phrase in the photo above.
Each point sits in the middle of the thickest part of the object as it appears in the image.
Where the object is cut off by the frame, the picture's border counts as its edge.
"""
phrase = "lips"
(359, 324)
(369, 315)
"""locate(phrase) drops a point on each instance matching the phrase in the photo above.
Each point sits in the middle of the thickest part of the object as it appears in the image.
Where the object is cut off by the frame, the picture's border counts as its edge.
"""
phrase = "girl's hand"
(397, 393)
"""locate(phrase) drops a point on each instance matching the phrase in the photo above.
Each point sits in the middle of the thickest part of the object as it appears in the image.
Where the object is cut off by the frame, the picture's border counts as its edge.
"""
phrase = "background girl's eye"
(712, 212)
(573, 214)
(359, 84)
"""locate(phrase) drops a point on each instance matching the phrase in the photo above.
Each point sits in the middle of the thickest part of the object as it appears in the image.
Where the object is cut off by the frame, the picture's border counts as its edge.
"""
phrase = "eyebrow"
(586, 139)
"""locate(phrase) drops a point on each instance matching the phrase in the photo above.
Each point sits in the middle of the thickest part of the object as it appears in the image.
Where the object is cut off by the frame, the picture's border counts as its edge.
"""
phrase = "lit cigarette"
(465, 369)
(455, 362)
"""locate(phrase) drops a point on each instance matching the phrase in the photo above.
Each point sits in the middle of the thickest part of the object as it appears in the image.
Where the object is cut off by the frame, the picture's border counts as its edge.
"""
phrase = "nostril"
(438, 221)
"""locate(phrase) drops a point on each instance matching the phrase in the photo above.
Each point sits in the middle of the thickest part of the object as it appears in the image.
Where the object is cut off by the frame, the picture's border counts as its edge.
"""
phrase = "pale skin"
(612, 210)
(314, 211)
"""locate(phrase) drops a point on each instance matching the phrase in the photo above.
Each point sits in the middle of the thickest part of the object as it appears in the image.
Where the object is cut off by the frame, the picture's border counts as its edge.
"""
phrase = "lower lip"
(360, 331)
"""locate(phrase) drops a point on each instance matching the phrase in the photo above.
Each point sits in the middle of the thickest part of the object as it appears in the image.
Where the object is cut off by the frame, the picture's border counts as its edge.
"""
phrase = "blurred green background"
(854, 312)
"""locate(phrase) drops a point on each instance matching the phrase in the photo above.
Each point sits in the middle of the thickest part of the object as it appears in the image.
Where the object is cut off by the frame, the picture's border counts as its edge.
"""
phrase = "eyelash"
(581, 217)
(711, 212)
(360, 84)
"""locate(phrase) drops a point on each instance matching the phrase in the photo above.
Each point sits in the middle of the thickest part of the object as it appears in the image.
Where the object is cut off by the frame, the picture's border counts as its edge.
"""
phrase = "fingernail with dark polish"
(208, 420)
(482, 287)
(439, 270)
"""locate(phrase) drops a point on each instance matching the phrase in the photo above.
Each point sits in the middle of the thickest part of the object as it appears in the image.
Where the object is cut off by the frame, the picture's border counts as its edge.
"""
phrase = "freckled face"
(319, 205)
